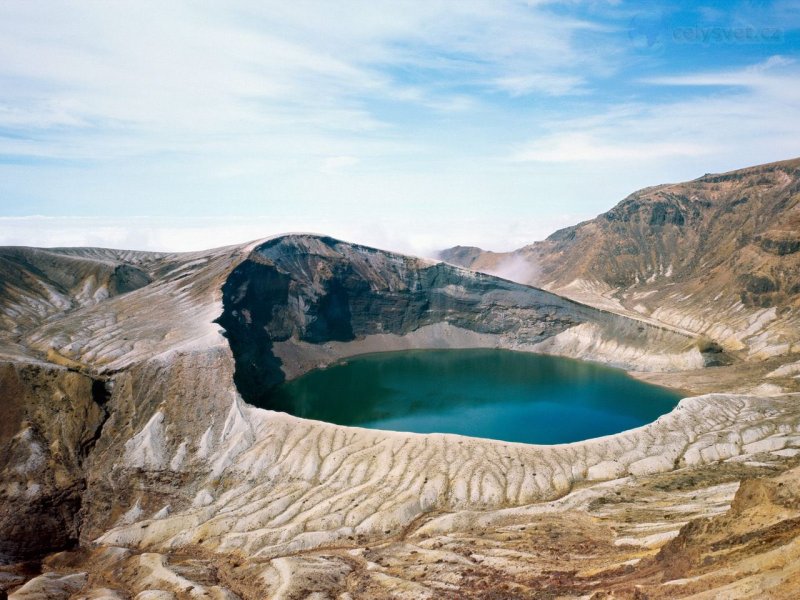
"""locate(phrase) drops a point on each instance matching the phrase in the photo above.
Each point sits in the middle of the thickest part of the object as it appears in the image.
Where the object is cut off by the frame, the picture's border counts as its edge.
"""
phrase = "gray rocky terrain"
(134, 463)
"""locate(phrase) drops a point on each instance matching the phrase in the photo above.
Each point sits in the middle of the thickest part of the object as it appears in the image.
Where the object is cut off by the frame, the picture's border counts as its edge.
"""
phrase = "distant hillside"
(718, 255)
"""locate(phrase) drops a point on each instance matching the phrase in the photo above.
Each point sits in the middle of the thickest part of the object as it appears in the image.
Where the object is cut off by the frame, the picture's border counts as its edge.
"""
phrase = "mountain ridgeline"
(719, 255)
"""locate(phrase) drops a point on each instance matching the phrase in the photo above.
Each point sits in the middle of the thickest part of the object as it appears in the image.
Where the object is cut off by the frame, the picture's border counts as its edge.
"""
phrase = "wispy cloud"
(777, 74)
(165, 75)
(756, 119)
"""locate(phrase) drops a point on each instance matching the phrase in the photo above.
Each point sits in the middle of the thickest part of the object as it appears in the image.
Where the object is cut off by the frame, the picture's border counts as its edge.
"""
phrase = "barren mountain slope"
(38, 283)
(718, 256)
(130, 446)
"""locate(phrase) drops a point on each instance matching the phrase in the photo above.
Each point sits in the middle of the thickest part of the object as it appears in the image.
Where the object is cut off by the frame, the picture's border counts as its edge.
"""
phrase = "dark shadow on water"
(498, 394)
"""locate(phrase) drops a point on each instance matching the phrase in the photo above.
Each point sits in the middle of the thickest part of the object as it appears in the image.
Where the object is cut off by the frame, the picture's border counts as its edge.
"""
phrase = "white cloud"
(163, 75)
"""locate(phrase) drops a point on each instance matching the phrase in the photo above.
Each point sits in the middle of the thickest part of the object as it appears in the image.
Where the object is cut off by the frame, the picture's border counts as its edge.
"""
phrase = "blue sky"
(406, 125)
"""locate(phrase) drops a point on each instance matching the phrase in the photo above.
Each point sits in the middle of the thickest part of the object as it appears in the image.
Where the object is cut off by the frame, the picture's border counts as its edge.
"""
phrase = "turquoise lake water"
(498, 394)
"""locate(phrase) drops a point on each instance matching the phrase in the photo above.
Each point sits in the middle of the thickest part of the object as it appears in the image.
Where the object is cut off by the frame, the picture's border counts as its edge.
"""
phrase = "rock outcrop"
(51, 419)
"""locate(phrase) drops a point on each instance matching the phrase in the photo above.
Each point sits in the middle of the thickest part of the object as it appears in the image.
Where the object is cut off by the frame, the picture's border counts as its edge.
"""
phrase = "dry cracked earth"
(134, 464)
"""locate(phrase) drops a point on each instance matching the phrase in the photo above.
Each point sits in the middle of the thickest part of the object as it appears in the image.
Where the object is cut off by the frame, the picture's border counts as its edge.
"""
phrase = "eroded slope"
(192, 493)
